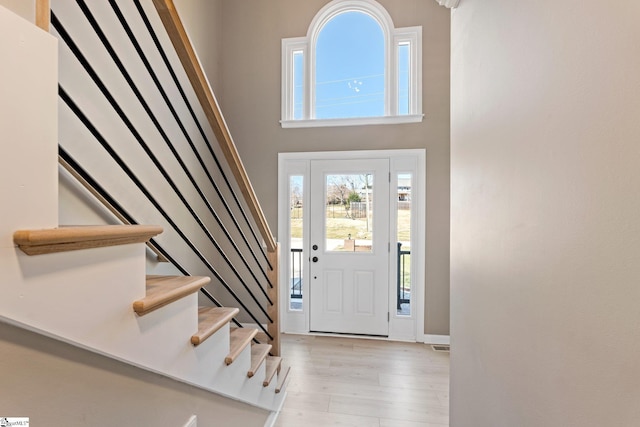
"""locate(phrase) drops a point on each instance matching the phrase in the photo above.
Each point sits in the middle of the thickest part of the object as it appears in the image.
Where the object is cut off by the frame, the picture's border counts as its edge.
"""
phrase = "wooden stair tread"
(162, 290)
(240, 338)
(282, 377)
(37, 242)
(258, 353)
(210, 320)
(272, 366)
(262, 337)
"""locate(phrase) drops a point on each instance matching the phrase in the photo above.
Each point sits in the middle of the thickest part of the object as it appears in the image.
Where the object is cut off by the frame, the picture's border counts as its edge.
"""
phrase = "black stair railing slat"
(67, 99)
(96, 27)
(103, 142)
(165, 59)
(176, 117)
(118, 207)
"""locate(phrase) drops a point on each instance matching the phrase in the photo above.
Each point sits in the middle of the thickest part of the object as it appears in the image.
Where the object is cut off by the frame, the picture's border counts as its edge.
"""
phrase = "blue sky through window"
(298, 84)
(404, 63)
(350, 66)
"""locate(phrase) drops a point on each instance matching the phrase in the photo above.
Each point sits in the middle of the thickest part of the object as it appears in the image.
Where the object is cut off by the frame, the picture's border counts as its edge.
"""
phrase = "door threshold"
(348, 334)
(355, 336)
(361, 337)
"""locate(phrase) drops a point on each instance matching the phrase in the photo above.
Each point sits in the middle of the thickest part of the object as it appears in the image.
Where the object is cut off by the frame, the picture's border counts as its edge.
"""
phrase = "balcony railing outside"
(404, 277)
(295, 301)
(296, 273)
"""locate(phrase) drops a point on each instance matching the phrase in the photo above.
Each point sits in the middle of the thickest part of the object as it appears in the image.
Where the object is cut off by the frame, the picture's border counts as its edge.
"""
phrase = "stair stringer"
(85, 298)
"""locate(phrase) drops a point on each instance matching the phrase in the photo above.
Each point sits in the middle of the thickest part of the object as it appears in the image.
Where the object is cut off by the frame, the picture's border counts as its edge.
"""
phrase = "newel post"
(43, 14)
(274, 294)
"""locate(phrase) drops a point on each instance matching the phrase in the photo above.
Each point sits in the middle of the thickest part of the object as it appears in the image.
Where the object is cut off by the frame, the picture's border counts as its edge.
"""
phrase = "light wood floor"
(359, 382)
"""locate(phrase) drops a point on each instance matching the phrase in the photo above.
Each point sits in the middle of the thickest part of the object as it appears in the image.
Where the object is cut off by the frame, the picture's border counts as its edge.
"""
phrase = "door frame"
(405, 328)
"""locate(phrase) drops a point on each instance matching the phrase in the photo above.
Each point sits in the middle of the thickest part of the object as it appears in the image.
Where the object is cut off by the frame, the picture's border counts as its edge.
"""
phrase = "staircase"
(87, 285)
(152, 322)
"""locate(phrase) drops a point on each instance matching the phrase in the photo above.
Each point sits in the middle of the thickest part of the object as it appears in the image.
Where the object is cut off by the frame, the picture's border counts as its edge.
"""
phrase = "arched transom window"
(353, 67)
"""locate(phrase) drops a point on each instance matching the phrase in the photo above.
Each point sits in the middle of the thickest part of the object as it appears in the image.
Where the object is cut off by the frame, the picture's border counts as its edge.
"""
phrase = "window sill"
(356, 121)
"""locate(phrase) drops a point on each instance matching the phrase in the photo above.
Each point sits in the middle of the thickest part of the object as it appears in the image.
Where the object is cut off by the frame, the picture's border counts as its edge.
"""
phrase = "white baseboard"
(437, 339)
(193, 422)
(273, 416)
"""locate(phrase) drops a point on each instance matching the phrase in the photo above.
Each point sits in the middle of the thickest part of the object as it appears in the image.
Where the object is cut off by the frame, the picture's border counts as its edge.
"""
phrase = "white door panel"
(349, 267)
(332, 291)
(364, 293)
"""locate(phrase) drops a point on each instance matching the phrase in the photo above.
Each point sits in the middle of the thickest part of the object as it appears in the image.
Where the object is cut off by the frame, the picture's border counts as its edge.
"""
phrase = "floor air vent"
(444, 348)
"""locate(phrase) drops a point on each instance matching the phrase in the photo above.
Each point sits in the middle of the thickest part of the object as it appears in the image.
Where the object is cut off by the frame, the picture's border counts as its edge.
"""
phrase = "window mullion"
(291, 47)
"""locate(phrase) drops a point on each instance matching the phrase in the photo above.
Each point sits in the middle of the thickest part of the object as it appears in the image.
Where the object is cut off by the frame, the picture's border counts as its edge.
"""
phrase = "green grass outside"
(340, 227)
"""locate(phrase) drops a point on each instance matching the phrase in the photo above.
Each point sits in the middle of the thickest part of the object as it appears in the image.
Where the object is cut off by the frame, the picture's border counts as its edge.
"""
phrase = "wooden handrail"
(178, 35)
(37, 242)
(160, 257)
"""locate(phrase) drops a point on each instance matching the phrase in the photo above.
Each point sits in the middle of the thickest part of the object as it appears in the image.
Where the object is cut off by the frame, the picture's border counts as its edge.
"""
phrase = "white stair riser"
(85, 298)
(77, 295)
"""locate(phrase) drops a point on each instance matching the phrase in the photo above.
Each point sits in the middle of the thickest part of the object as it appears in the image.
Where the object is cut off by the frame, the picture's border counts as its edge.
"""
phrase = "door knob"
(314, 259)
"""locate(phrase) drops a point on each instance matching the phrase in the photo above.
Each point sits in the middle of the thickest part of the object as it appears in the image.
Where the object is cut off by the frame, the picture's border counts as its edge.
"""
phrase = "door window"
(349, 212)
(403, 239)
(296, 230)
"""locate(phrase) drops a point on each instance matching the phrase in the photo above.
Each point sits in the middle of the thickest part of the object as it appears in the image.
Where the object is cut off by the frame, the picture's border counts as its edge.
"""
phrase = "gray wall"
(55, 384)
(545, 255)
(24, 8)
(203, 20)
(249, 94)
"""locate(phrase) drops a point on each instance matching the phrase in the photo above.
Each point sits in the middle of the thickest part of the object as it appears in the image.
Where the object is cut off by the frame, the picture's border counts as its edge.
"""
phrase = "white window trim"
(384, 120)
(298, 44)
(393, 36)
(413, 36)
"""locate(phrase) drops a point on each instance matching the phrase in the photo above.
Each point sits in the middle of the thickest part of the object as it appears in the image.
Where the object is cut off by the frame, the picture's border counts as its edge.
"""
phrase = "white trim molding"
(384, 120)
(193, 422)
(449, 4)
(437, 339)
(402, 161)
(273, 416)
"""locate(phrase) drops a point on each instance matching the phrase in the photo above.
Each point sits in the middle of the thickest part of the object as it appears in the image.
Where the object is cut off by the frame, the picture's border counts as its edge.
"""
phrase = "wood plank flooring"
(360, 382)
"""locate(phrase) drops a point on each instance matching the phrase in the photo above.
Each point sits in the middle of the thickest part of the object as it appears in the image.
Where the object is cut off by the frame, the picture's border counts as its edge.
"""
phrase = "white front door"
(349, 246)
